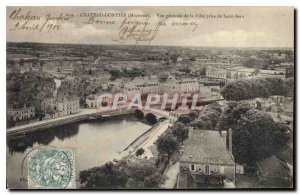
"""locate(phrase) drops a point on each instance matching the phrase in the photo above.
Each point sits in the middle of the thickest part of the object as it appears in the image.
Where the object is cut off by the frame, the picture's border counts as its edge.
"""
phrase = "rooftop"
(273, 167)
(206, 146)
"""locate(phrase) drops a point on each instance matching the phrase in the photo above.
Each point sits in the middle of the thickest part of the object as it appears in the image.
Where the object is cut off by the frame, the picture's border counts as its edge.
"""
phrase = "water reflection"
(44, 137)
(94, 142)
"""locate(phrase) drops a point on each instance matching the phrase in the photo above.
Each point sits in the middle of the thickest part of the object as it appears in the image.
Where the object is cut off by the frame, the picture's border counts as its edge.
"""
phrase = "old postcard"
(150, 97)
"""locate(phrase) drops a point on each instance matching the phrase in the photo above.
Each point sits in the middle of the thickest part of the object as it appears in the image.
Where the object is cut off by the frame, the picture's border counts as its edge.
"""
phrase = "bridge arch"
(139, 114)
(151, 118)
(162, 119)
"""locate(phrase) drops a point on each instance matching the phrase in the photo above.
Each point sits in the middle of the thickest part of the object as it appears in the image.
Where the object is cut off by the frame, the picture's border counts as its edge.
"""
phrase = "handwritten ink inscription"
(143, 27)
(139, 31)
(30, 22)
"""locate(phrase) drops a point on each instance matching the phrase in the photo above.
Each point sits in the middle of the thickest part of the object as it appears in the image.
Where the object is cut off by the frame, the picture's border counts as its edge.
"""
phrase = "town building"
(229, 72)
(214, 72)
(153, 86)
(21, 114)
(67, 106)
(66, 67)
(239, 72)
(213, 92)
(271, 73)
(141, 86)
(280, 56)
(206, 159)
(92, 101)
(58, 107)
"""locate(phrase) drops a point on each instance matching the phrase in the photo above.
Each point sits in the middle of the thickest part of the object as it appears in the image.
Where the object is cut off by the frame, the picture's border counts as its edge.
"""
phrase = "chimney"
(230, 140)
(224, 136)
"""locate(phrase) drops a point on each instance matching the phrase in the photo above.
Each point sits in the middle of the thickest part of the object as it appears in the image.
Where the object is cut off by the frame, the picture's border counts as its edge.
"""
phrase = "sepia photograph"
(150, 98)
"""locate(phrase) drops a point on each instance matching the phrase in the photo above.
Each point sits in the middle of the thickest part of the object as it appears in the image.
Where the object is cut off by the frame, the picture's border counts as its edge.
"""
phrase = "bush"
(139, 152)
(184, 119)
(140, 173)
(180, 131)
(208, 117)
(166, 145)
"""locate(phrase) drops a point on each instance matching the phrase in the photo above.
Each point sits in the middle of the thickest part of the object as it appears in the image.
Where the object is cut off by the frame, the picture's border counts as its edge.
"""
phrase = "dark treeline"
(245, 89)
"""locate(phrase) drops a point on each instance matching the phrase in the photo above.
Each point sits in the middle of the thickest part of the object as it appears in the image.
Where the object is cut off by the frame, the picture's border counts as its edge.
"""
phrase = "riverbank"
(83, 115)
(146, 140)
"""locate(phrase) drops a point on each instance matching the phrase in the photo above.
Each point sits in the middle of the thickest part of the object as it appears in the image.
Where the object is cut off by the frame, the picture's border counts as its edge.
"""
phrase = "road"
(163, 126)
(82, 113)
(171, 174)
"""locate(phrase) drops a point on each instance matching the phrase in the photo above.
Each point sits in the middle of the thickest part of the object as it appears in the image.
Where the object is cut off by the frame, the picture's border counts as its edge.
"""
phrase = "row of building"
(154, 86)
(21, 114)
(145, 86)
(238, 72)
(46, 108)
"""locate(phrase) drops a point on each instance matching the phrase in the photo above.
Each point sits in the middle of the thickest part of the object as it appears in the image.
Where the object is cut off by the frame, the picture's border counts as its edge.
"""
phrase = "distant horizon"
(147, 45)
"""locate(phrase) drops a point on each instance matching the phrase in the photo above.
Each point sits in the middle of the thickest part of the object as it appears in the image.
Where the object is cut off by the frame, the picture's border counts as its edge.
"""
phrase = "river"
(95, 143)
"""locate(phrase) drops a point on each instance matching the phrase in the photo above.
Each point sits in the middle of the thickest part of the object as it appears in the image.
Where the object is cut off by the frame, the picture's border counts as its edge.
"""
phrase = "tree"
(208, 117)
(184, 119)
(106, 176)
(143, 174)
(115, 73)
(203, 71)
(289, 86)
(232, 114)
(137, 173)
(193, 114)
(34, 63)
(244, 89)
(42, 63)
(16, 87)
(50, 110)
(139, 152)
(166, 145)
(10, 62)
(280, 135)
(180, 131)
(254, 63)
(255, 134)
(163, 77)
(22, 61)
(253, 137)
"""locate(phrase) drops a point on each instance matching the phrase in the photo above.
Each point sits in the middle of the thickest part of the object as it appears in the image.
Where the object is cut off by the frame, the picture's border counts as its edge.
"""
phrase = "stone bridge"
(159, 114)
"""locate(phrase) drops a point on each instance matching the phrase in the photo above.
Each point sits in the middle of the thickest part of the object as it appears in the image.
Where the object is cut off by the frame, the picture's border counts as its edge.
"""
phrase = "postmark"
(51, 168)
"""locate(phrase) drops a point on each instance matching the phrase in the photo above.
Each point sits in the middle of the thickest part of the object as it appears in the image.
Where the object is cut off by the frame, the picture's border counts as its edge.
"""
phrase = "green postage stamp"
(51, 168)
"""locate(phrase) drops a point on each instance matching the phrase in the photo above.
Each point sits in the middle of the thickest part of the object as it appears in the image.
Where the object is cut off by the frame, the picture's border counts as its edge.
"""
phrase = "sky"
(258, 27)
